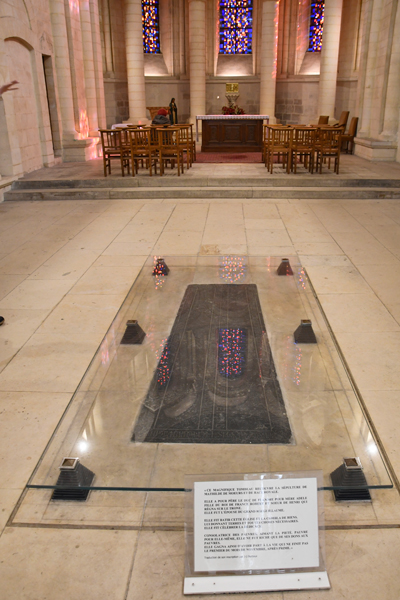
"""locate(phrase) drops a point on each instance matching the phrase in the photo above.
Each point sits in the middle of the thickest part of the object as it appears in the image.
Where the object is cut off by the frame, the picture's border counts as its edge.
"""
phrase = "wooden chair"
(266, 140)
(323, 120)
(170, 148)
(348, 137)
(112, 147)
(278, 142)
(303, 146)
(154, 138)
(343, 119)
(186, 142)
(141, 149)
(328, 147)
(193, 142)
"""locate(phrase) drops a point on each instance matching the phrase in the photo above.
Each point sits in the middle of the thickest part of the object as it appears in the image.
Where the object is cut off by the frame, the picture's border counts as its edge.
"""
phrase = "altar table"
(231, 133)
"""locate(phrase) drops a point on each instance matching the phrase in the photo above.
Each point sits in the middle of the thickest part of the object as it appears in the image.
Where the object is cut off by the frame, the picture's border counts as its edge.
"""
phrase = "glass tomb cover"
(218, 385)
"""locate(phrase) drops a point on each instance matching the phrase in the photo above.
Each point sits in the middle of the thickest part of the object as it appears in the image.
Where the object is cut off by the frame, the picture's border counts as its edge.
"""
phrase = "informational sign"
(258, 524)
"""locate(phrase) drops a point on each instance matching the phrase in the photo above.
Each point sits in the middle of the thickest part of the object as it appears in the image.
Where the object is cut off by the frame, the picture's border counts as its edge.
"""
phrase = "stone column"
(88, 64)
(269, 53)
(108, 58)
(135, 61)
(366, 65)
(378, 87)
(329, 57)
(391, 99)
(98, 64)
(197, 58)
(63, 68)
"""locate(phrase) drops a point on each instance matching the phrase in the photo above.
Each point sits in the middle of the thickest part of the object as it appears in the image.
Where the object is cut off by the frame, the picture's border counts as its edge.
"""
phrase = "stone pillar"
(368, 71)
(197, 58)
(390, 109)
(269, 53)
(88, 64)
(329, 57)
(63, 68)
(378, 97)
(98, 64)
(108, 53)
(135, 61)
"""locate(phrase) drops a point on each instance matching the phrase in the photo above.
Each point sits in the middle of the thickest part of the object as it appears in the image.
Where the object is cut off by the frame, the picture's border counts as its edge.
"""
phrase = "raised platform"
(358, 179)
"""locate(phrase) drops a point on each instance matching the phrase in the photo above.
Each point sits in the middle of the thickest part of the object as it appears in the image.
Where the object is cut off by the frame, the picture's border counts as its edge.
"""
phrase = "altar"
(231, 133)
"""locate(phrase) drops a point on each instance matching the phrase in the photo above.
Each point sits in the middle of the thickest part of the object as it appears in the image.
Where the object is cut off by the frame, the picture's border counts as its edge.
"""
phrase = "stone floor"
(66, 267)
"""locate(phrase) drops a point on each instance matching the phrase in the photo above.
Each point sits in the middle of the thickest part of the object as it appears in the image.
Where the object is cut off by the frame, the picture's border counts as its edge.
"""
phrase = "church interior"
(213, 380)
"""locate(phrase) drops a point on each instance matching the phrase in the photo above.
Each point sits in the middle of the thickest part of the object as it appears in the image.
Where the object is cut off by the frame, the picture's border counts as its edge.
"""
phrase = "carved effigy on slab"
(216, 380)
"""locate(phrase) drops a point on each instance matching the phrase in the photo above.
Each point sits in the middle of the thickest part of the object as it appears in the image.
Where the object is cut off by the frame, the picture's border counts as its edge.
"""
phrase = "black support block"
(350, 478)
(284, 268)
(72, 478)
(304, 334)
(134, 334)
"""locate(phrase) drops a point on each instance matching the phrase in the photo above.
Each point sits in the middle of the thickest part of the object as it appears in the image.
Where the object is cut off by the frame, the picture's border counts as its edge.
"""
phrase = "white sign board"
(256, 524)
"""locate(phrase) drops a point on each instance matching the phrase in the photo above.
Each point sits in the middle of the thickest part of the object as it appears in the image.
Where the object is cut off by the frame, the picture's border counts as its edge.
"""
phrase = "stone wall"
(296, 101)
(249, 90)
(26, 120)
(117, 104)
(346, 98)
(159, 92)
(25, 132)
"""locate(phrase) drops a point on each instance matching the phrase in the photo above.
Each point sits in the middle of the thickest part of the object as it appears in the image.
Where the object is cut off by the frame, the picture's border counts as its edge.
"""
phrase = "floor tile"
(8, 283)
(158, 570)
(364, 249)
(264, 224)
(318, 248)
(178, 242)
(357, 313)
(345, 280)
(8, 499)
(65, 563)
(114, 280)
(79, 312)
(67, 263)
(361, 566)
(35, 295)
(47, 363)
(28, 421)
(18, 327)
(373, 359)
(268, 237)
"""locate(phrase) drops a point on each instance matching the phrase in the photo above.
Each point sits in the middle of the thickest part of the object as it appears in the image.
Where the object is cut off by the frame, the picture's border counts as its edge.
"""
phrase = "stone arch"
(22, 41)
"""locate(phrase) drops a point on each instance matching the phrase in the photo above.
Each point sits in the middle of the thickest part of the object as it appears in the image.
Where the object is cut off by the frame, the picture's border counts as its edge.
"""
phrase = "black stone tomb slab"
(215, 382)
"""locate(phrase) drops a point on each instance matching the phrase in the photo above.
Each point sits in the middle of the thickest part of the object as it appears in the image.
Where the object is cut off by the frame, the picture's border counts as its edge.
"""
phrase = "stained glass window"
(150, 24)
(235, 26)
(316, 26)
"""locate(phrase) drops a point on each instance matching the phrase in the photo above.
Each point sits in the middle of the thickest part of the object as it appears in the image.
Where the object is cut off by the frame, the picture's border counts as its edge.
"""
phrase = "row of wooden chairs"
(312, 146)
(148, 147)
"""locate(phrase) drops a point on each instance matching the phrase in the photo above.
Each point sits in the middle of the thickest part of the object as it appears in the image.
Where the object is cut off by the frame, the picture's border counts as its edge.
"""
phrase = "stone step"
(293, 181)
(146, 193)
